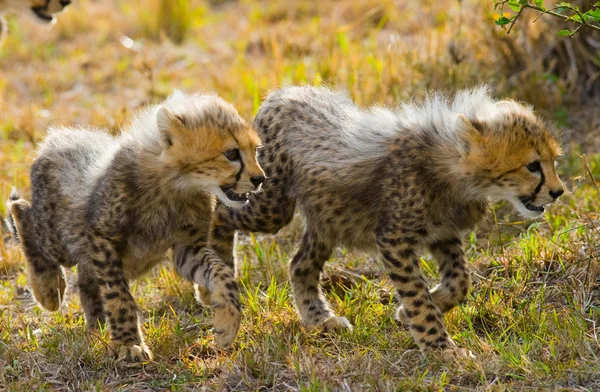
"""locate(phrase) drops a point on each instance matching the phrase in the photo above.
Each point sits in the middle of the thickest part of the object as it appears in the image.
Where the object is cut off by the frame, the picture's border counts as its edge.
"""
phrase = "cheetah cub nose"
(556, 194)
(257, 180)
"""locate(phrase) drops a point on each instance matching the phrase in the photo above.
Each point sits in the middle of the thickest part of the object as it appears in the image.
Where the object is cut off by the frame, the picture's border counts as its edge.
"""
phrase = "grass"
(533, 316)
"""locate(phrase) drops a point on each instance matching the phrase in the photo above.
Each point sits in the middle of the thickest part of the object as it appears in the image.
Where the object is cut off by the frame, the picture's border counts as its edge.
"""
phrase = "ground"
(532, 319)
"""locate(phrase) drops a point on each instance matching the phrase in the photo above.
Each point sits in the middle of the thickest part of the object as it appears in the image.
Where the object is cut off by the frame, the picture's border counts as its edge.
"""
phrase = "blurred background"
(102, 60)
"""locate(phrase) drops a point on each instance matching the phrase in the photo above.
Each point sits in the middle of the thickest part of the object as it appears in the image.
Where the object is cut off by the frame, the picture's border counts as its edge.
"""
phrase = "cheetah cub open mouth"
(228, 190)
(526, 201)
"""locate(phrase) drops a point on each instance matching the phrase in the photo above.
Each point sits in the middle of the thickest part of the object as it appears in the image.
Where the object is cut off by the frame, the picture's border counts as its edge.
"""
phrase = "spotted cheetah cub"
(114, 206)
(392, 182)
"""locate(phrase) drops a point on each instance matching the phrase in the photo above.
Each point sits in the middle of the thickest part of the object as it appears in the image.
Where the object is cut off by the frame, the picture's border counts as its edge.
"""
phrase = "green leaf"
(514, 5)
(575, 18)
(593, 14)
(503, 20)
(564, 33)
(539, 3)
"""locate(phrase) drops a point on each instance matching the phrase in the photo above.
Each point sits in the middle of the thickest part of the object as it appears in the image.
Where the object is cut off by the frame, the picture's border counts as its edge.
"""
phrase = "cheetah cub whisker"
(115, 206)
(392, 182)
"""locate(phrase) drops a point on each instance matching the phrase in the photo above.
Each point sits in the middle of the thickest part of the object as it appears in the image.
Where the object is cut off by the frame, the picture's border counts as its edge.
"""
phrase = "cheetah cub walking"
(114, 206)
(392, 182)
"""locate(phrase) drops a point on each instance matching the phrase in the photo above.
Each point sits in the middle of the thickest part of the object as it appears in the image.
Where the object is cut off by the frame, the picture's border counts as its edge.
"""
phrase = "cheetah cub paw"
(131, 352)
(226, 320)
(449, 352)
(456, 354)
(401, 316)
(48, 287)
(335, 324)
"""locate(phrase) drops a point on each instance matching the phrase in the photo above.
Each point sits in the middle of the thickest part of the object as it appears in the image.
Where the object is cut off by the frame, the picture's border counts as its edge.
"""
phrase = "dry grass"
(532, 318)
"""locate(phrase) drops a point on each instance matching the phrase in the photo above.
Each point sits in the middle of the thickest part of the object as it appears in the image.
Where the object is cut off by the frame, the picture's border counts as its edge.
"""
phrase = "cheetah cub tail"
(10, 220)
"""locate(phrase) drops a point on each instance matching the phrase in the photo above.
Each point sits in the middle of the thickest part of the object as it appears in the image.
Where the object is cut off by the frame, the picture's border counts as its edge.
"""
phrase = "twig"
(551, 11)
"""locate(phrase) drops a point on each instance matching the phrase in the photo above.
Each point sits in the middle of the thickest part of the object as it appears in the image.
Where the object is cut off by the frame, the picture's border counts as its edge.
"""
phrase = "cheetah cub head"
(511, 155)
(210, 147)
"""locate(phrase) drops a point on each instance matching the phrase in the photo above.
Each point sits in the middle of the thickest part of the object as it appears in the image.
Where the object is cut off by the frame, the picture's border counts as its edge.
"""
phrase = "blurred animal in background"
(43, 11)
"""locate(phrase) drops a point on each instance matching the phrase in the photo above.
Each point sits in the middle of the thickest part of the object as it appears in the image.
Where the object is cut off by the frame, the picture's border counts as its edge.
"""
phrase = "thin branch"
(575, 31)
(545, 12)
(514, 21)
(551, 11)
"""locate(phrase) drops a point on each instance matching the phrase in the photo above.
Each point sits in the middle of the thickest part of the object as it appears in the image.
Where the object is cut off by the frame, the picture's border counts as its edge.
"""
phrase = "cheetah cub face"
(513, 156)
(209, 146)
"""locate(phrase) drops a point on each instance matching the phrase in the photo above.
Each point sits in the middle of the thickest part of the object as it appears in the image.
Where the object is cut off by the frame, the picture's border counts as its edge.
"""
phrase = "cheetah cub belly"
(395, 183)
(114, 206)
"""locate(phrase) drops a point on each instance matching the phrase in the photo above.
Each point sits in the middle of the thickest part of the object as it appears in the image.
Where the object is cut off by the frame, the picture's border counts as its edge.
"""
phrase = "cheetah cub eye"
(535, 166)
(233, 154)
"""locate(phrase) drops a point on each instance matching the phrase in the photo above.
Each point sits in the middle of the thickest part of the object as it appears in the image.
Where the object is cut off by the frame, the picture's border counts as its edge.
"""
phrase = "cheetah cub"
(392, 182)
(114, 206)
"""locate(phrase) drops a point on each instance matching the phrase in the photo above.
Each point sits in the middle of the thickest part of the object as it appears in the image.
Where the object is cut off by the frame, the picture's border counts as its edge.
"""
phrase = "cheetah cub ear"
(167, 122)
(470, 132)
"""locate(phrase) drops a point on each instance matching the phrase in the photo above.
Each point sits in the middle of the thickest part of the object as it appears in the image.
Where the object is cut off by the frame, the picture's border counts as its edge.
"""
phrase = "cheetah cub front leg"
(119, 307)
(305, 272)
(398, 238)
(215, 286)
(455, 279)
(425, 320)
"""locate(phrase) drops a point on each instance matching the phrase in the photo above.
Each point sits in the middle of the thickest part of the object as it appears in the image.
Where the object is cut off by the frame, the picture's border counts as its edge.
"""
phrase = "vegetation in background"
(566, 11)
(533, 317)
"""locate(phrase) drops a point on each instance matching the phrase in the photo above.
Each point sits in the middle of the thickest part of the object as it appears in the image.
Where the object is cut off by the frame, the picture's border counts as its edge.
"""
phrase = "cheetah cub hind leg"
(47, 279)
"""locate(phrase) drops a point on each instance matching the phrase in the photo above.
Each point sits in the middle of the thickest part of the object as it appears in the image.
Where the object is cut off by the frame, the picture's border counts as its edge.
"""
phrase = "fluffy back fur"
(466, 142)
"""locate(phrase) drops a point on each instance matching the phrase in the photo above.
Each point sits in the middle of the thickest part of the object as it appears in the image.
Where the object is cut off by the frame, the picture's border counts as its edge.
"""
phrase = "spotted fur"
(391, 182)
(43, 11)
(114, 206)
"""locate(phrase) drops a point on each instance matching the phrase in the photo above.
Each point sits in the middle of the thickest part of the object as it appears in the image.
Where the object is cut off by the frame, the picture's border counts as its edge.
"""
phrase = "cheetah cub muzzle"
(395, 183)
(115, 206)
